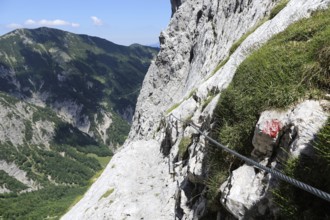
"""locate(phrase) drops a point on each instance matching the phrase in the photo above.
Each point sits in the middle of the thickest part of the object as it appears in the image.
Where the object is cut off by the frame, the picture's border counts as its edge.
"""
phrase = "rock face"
(184, 81)
(17, 119)
(14, 171)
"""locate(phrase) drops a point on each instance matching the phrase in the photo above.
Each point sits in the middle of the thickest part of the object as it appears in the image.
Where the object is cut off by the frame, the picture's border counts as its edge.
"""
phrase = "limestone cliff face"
(149, 177)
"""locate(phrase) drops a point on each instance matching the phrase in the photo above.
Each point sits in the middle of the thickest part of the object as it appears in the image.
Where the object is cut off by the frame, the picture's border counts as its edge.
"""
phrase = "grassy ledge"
(233, 48)
(293, 66)
(183, 146)
(279, 6)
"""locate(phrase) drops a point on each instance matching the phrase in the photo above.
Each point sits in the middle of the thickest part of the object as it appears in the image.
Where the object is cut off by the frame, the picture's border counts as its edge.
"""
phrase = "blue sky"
(120, 21)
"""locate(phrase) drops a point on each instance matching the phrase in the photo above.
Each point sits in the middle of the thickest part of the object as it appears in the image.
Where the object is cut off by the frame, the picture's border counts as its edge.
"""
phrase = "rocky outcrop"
(184, 81)
(14, 171)
(278, 135)
(175, 5)
(18, 128)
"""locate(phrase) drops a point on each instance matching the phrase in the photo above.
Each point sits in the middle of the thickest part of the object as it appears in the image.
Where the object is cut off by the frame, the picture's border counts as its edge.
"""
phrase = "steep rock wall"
(181, 81)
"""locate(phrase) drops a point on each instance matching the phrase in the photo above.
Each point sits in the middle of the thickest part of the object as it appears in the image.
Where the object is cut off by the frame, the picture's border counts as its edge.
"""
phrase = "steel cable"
(319, 193)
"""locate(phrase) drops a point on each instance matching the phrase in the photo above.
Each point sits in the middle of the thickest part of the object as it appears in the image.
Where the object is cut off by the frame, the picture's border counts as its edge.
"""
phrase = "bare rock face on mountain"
(162, 164)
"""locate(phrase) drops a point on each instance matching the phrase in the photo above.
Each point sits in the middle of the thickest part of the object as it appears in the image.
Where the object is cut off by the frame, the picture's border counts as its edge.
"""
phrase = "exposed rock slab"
(138, 174)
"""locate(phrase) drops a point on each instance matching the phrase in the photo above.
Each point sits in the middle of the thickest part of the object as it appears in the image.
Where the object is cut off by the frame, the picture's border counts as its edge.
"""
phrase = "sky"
(121, 21)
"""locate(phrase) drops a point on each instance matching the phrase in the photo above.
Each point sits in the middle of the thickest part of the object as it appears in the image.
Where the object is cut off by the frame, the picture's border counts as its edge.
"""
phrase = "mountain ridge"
(83, 71)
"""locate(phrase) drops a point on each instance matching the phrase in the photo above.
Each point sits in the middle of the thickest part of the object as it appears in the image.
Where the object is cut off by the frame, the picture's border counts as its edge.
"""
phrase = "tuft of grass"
(207, 101)
(192, 92)
(279, 6)
(183, 146)
(107, 193)
(241, 39)
(219, 66)
(292, 66)
(173, 107)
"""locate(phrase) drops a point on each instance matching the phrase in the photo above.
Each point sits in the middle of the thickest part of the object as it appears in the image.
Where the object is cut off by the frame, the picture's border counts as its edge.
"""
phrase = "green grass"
(183, 146)
(279, 6)
(102, 160)
(51, 201)
(219, 66)
(234, 47)
(100, 76)
(241, 39)
(173, 107)
(296, 203)
(291, 67)
(11, 183)
(107, 193)
(207, 101)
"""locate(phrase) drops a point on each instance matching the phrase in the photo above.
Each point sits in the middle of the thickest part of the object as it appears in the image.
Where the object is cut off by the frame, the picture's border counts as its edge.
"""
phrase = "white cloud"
(43, 22)
(14, 26)
(96, 21)
(30, 22)
(75, 25)
(56, 22)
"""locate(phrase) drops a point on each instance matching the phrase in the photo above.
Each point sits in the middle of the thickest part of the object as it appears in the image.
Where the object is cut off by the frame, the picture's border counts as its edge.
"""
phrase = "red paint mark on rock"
(272, 128)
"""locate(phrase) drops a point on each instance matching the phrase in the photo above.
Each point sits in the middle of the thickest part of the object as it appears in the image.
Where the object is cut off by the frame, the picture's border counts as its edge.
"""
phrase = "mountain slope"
(42, 155)
(204, 46)
(65, 100)
(91, 82)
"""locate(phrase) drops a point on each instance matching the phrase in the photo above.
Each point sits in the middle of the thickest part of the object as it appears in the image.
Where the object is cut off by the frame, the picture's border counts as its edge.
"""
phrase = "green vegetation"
(173, 107)
(207, 101)
(241, 39)
(221, 64)
(67, 165)
(279, 6)
(28, 130)
(233, 48)
(72, 170)
(94, 73)
(296, 203)
(50, 202)
(103, 161)
(183, 146)
(292, 66)
(118, 131)
(107, 193)
(10, 183)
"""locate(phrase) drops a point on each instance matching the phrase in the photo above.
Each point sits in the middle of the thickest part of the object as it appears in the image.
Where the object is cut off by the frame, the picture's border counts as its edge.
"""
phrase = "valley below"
(66, 104)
